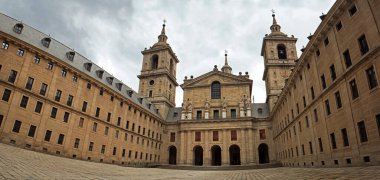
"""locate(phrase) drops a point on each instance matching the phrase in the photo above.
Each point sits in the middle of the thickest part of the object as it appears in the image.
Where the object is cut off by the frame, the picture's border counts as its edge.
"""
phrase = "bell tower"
(279, 52)
(158, 74)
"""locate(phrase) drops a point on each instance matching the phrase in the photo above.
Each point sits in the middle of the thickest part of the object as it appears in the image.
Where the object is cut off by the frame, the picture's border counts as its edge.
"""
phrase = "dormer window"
(100, 73)
(46, 42)
(149, 105)
(119, 86)
(129, 92)
(70, 55)
(260, 110)
(18, 28)
(110, 80)
(175, 114)
(88, 66)
(140, 100)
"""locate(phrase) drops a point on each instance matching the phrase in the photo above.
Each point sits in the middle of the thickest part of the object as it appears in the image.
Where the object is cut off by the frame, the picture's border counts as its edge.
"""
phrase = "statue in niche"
(224, 103)
(189, 106)
(184, 106)
(207, 105)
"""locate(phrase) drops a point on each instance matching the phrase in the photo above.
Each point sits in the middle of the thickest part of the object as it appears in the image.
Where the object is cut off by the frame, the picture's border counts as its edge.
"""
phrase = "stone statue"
(207, 105)
(224, 103)
(190, 106)
(184, 107)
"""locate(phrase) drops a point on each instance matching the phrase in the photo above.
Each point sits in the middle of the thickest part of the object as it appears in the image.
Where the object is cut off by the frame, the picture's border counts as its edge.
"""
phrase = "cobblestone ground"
(17, 163)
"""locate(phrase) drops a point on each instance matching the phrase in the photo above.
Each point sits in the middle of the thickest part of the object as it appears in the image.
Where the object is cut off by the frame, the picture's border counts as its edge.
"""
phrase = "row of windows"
(335, 161)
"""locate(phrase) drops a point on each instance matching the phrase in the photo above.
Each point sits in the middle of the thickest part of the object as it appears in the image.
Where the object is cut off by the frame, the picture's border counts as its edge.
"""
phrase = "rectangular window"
(133, 127)
(327, 106)
(233, 135)
(75, 78)
(106, 130)
(76, 143)
(47, 135)
(6, 95)
(216, 114)
(24, 101)
(38, 107)
(109, 117)
(320, 145)
(50, 66)
(371, 76)
(81, 122)
(90, 146)
(58, 95)
(326, 41)
(338, 100)
(333, 142)
(172, 137)
(352, 10)
(233, 113)
(354, 89)
(197, 136)
(215, 135)
(304, 101)
(129, 154)
(5, 45)
(117, 135)
(307, 121)
(377, 122)
(123, 153)
(36, 59)
(127, 125)
(318, 52)
(16, 126)
(88, 85)
(332, 72)
(300, 126)
(97, 112)
(63, 72)
(303, 149)
(118, 121)
(103, 150)
(61, 137)
(323, 80)
(53, 113)
(315, 115)
(362, 132)
(70, 100)
(262, 134)
(32, 131)
(347, 58)
(20, 52)
(43, 89)
(345, 137)
(84, 106)
(311, 147)
(114, 151)
(94, 126)
(29, 83)
(363, 44)
(66, 117)
(199, 114)
(338, 26)
(12, 76)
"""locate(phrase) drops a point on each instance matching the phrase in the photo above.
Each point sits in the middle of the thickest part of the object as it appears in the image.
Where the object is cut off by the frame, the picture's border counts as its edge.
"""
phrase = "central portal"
(216, 155)
(198, 156)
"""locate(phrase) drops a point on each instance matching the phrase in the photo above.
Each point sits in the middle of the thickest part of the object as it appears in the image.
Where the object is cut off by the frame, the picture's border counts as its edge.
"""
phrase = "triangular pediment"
(223, 78)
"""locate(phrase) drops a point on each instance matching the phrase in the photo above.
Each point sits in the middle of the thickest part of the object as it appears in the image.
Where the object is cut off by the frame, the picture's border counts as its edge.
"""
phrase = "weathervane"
(273, 12)
(164, 21)
(225, 51)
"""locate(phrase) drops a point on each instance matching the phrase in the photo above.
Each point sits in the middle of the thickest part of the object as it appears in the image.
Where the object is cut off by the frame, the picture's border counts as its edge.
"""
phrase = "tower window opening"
(281, 50)
(154, 61)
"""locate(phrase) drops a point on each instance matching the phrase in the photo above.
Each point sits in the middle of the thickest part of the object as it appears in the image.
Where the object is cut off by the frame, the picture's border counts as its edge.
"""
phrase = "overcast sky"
(113, 33)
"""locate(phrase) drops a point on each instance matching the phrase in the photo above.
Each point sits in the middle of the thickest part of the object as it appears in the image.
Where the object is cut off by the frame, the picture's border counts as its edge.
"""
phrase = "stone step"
(216, 168)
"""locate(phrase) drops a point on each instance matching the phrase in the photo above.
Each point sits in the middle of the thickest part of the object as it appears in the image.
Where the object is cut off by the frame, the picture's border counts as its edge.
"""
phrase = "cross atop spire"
(162, 37)
(226, 68)
(225, 57)
(275, 28)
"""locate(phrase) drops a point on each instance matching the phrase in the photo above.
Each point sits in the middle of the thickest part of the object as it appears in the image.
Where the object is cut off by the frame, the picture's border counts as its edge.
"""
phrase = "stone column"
(188, 150)
(206, 149)
(225, 150)
(182, 151)
(243, 148)
(250, 146)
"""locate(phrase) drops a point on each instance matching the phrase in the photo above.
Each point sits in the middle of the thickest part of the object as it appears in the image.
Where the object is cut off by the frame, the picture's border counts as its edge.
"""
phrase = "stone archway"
(172, 155)
(216, 155)
(234, 155)
(263, 153)
(198, 156)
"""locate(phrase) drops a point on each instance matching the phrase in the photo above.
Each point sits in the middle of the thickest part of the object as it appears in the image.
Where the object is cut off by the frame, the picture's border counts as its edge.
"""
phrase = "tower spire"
(226, 68)
(162, 37)
(275, 28)
(225, 57)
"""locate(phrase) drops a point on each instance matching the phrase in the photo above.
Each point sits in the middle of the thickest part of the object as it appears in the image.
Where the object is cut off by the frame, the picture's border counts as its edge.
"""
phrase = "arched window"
(215, 90)
(154, 61)
(281, 51)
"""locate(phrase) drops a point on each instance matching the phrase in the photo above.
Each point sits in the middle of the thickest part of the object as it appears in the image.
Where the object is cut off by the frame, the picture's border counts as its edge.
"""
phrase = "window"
(58, 95)
(70, 100)
(97, 113)
(47, 135)
(84, 106)
(199, 114)
(307, 121)
(323, 80)
(262, 134)
(43, 89)
(311, 147)
(127, 125)
(326, 41)
(117, 134)
(103, 150)
(303, 149)
(36, 59)
(338, 100)
(6, 95)
(377, 122)
(53, 113)
(81, 122)
(109, 117)
(362, 132)
(76, 143)
(111, 98)
(20, 52)
(154, 62)
(320, 145)
(32, 131)
(150, 93)
(50, 66)
(94, 126)
(333, 142)
(327, 106)
(233, 135)
(61, 137)
(347, 58)
(363, 44)
(88, 66)
(114, 151)
(233, 113)
(304, 101)
(38, 107)
(371, 76)
(18, 28)
(338, 26)
(101, 92)
(12, 76)
(106, 130)
(216, 114)
(215, 135)
(90, 146)
(109, 80)
(332, 72)
(318, 52)
(29, 83)
(215, 90)
(75, 78)
(16, 126)
(312, 92)
(70, 55)
(315, 115)
(24, 101)
(88, 85)
(197, 136)
(46, 42)
(172, 137)
(118, 121)
(66, 117)
(352, 10)
(123, 153)
(281, 51)
(5, 45)
(345, 137)
(63, 72)
(300, 126)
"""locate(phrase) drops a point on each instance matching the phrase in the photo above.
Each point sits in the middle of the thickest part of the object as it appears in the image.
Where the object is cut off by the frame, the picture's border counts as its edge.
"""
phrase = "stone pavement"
(17, 163)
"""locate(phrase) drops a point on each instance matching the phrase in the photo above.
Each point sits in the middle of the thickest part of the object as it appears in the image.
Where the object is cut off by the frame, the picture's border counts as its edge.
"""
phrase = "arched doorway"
(216, 155)
(263, 153)
(172, 155)
(234, 155)
(198, 156)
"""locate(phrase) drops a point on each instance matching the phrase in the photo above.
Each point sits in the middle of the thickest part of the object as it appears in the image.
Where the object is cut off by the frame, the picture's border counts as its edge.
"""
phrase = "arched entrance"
(235, 155)
(172, 155)
(216, 155)
(198, 156)
(263, 153)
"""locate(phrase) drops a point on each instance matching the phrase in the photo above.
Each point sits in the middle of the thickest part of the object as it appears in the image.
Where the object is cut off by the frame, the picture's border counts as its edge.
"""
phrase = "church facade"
(321, 109)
